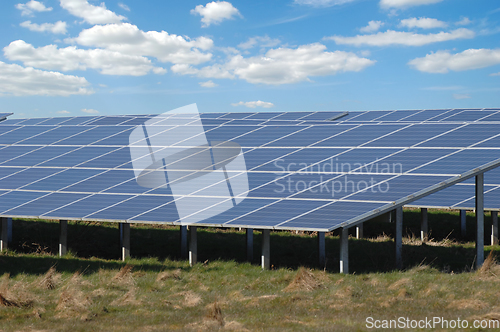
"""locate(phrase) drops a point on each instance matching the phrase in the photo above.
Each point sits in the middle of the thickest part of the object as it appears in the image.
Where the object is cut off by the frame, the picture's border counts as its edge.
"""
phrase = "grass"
(90, 290)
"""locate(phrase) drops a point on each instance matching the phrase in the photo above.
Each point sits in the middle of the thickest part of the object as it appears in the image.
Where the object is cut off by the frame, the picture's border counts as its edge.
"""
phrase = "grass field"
(90, 290)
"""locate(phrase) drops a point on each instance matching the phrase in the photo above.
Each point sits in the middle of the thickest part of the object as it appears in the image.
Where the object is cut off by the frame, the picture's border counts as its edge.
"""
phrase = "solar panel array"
(304, 172)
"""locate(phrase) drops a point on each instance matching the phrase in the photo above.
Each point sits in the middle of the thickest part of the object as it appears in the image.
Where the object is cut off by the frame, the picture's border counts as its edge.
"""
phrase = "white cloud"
(215, 12)
(423, 23)
(31, 6)
(208, 84)
(89, 111)
(90, 13)
(464, 21)
(124, 6)
(63, 112)
(461, 95)
(20, 81)
(261, 41)
(495, 74)
(444, 61)
(71, 58)
(58, 28)
(322, 3)
(254, 104)
(405, 3)
(282, 65)
(391, 37)
(372, 26)
(128, 39)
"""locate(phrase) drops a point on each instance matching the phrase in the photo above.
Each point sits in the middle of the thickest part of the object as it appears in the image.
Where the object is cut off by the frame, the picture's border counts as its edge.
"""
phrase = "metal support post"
(193, 246)
(63, 237)
(359, 231)
(463, 223)
(249, 244)
(344, 250)
(398, 237)
(183, 233)
(125, 240)
(424, 225)
(266, 249)
(321, 249)
(480, 220)
(494, 228)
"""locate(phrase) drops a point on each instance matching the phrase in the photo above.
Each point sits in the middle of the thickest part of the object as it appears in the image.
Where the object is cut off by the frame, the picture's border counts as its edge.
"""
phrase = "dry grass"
(215, 313)
(304, 280)
(73, 301)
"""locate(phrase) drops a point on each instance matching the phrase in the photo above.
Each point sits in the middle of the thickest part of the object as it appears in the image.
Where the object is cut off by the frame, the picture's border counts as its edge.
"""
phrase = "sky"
(85, 57)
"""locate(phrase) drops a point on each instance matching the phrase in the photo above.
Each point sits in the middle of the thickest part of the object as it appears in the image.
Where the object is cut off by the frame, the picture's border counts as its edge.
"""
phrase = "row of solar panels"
(280, 118)
(65, 171)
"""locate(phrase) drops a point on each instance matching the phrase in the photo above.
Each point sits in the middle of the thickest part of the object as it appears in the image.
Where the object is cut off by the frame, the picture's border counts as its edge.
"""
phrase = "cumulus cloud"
(423, 23)
(372, 26)
(444, 61)
(20, 81)
(128, 39)
(58, 28)
(62, 112)
(89, 111)
(464, 21)
(72, 58)
(405, 3)
(391, 37)
(282, 65)
(254, 104)
(215, 12)
(461, 95)
(208, 84)
(322, 3)
(124, 6)
(261, 41)
(31, 6)
(90, 13)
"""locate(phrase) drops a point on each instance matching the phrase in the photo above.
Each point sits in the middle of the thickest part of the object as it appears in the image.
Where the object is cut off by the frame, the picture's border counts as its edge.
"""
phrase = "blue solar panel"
(11, 199)
(413, 135)
(360, 135)
(86, 206)
(463, 137)
(372, 147)
(45, 204)
(38, 156)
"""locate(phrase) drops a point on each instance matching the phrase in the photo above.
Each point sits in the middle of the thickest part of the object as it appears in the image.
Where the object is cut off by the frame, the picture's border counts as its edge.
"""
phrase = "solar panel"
(81, 167)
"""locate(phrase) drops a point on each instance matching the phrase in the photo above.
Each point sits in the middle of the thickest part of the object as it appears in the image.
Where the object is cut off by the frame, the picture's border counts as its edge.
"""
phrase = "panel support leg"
(183, 234)
(9, 230)
(344, 250)
(321, 249)
(494, 228)
(193, 246)
(249, 244)
(480, 220)
(424, 225)
(398, 237)
(266, 249)
(463, 223)
(4, 236)
(389, 217)
(63, 237)
(125, 240)
(359, 231)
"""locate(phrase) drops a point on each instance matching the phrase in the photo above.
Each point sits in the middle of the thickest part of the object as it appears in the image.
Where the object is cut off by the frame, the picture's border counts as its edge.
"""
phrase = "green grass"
(162, 292)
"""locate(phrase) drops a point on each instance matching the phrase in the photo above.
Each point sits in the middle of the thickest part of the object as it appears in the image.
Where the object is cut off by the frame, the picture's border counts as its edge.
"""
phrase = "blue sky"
(85, 57)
